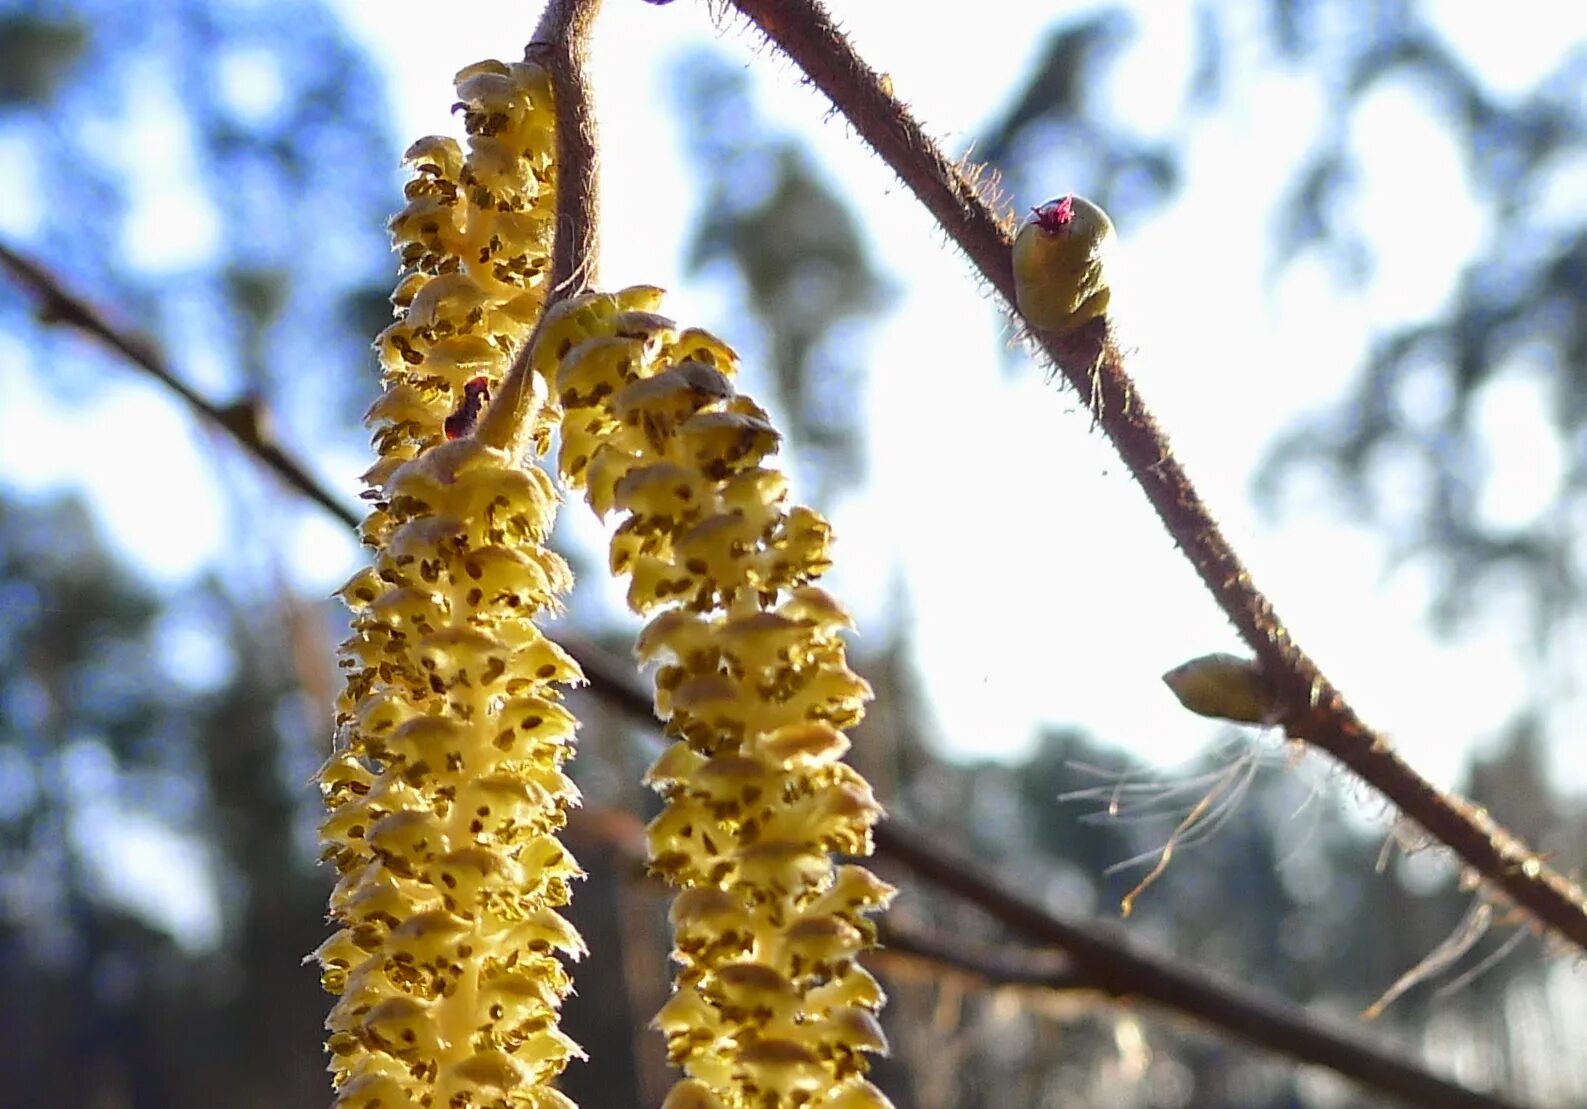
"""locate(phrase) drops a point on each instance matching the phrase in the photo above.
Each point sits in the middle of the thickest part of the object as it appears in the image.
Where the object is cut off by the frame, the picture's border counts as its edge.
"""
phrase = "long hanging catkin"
(445, 789)
(771, 1008)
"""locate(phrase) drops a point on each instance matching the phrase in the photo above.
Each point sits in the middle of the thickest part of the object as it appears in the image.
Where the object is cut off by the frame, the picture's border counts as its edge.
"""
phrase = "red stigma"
(1055, 215)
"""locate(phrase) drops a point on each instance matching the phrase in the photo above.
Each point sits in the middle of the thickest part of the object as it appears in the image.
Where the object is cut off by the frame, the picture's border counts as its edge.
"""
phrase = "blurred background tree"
(219, 175)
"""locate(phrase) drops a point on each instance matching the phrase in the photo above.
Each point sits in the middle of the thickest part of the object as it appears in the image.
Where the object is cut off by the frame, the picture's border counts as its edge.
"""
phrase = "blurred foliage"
(797, 251)
(1520, 304)
(153, 812)
(1053, 129)
(238, 166)
(34, 53)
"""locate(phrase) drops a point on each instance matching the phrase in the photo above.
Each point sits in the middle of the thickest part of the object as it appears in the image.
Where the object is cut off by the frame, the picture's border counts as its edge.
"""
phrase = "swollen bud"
(1225, 687)
(1060, 271)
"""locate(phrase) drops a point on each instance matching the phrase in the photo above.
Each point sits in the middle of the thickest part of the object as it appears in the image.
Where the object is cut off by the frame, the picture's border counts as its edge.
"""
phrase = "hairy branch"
(561, 44)
(1313, 709)
(59, 305)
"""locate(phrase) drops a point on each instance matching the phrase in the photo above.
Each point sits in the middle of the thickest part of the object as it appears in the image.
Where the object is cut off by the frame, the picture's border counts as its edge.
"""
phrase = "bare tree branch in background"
(1109, 964)
(243, 422)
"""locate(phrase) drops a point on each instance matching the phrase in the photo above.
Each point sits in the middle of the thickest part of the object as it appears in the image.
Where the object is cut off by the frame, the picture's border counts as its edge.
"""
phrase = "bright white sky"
(1017, 564)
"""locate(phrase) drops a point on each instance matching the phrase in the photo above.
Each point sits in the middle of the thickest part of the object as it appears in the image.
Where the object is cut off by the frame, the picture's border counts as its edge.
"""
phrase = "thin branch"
(619, 831)
(1121, 969)
(1112, 964)
(1313, 709)
(561, 44)
(1043, 970)
(622, 834)
(60, 305)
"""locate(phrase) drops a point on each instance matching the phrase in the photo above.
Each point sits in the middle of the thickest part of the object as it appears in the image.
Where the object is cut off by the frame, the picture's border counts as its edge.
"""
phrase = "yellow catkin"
(474, 240)
(446, 789)
(771, 1008)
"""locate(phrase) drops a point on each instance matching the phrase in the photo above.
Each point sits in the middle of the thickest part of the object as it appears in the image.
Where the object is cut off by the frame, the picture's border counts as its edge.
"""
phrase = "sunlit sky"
(991, 503)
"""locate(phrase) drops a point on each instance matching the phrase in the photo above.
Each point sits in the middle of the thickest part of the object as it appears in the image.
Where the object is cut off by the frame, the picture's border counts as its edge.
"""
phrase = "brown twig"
(60, 305)
(1044, 970)
(623, 835)
(561, 44)
(1314, 710)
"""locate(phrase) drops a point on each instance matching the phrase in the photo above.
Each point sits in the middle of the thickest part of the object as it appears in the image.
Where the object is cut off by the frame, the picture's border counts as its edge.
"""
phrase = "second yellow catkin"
(771, 1008)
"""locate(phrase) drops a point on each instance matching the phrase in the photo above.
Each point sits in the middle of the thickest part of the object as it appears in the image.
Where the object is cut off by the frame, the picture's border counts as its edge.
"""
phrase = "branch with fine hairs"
(1108, 965)
(561, 45)
(1313, 710)
(60, 305)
